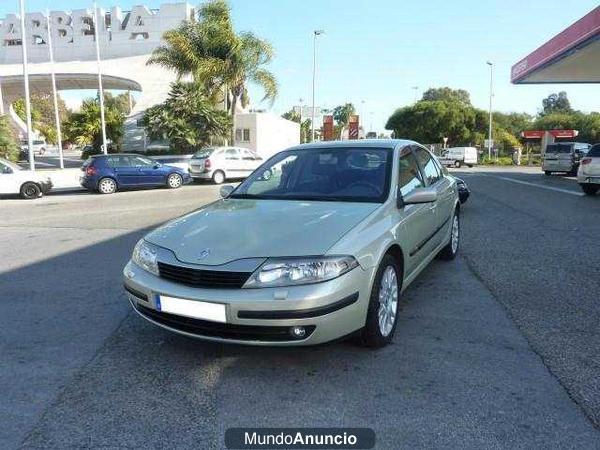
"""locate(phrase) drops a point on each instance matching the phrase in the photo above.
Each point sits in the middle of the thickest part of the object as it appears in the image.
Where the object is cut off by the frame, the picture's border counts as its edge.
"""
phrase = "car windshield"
(204, 153)
(4, 162)
(351, 174)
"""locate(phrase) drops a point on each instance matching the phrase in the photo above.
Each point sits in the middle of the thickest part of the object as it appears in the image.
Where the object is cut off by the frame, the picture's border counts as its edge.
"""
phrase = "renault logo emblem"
(204, 253)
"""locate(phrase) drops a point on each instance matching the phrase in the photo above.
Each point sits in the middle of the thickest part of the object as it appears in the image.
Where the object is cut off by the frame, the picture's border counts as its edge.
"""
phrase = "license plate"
(215, 312)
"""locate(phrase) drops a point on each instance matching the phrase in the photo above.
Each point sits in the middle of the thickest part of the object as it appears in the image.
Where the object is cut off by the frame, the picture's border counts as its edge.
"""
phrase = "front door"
(150, 172)
(234, 164)
(414, 221)
(125, 172)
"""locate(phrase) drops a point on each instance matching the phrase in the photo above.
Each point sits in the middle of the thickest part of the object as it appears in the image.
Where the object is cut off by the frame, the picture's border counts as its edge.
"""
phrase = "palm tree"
(217, 58)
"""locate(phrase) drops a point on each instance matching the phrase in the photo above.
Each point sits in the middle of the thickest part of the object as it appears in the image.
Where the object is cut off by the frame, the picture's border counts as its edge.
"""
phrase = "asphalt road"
(498, 349)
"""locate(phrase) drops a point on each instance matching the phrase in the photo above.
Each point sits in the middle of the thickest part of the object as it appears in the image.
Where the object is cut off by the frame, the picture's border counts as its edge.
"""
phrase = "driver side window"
(410, 177)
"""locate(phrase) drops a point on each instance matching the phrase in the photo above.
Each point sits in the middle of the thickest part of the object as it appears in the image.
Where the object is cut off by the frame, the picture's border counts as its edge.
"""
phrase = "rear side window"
(595, 151)
(204, 153)
(559, 148)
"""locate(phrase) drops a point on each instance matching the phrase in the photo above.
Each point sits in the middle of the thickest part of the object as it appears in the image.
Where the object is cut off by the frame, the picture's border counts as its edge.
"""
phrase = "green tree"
(447, 94)
(556, 103)
(9, 148)
(188, 119)
(42, 114)
(84, 127)
(431, 121)
(219, 59)
(342, 113)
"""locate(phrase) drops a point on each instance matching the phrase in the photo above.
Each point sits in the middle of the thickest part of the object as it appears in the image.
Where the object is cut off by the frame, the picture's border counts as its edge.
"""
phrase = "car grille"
(220, 330)
(203, 278)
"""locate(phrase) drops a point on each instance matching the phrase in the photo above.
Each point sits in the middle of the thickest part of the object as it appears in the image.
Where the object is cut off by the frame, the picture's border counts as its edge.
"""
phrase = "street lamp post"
(415, 88)
(315, 34)
(100, 88)
(55, 95)
(26, 85)
(491, 95)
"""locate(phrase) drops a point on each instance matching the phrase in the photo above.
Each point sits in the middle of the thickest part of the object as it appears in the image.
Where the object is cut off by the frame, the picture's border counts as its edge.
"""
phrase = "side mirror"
(7, 170)
(226, 190)
(420, 195)
(157, 165)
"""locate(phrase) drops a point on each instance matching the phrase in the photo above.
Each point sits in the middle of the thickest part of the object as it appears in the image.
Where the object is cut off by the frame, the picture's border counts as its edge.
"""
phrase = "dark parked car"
(107, 173)
(463, 190)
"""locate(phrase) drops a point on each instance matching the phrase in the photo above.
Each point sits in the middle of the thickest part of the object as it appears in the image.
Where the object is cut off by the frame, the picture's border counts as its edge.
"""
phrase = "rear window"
(559, 148)
(204, 153)
(595, 151)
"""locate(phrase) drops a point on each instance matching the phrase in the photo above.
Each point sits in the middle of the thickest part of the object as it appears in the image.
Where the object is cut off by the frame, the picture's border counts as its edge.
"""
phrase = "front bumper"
(328, 310)
(46, 186)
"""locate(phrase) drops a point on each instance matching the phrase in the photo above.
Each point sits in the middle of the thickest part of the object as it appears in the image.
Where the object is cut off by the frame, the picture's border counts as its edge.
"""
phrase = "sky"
(374, 52)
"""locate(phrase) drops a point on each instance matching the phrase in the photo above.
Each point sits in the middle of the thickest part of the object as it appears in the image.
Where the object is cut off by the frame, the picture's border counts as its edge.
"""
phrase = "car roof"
(363, 143)
(119, 154)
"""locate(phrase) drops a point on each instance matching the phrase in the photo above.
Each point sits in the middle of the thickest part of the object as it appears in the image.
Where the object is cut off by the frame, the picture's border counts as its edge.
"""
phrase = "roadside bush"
(9, 148)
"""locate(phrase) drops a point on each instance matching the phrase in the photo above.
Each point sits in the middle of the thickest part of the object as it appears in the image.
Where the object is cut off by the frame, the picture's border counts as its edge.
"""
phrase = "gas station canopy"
(572, 56)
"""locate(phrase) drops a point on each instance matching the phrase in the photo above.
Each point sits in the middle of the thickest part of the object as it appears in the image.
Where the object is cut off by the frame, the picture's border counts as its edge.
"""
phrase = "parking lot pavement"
(497, 349)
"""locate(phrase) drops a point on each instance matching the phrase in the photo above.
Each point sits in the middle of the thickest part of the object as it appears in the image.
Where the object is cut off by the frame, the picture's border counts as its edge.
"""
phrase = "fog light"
(298, 332)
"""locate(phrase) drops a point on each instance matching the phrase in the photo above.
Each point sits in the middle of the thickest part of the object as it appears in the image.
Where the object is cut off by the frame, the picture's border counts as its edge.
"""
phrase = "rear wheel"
(382, 315)
(590, 189)
(450, 251)
(218, 177)
(30, 190)
(107, 186)
(174, 181)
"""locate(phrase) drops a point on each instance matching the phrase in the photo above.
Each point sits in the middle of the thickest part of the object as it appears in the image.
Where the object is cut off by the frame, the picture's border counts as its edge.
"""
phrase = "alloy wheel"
(388, 301)
(174, 181)
(455, 233)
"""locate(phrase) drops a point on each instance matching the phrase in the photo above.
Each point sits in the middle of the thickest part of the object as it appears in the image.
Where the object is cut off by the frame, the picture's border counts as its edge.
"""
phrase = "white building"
(265, 133)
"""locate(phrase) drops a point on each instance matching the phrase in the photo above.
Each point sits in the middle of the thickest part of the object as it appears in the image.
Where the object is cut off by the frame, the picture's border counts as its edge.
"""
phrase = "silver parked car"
(588, 175)
(222, 163)
(319, 249)
(564, 157)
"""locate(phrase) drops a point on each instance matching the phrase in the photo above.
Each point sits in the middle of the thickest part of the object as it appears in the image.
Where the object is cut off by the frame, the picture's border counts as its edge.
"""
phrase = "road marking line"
(550, 188)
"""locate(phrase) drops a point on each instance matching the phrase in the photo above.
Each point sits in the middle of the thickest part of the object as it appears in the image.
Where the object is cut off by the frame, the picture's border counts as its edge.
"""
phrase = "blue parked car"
(108, 173)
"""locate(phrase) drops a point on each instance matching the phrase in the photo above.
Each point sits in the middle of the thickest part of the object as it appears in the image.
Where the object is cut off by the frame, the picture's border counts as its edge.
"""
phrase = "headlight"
(295, 271)
(144, 255)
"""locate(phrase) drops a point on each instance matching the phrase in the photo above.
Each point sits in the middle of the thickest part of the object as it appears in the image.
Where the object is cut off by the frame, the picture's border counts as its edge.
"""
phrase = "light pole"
(55, 95)
(26, 85)
(301, 102)
(491, 95)
(100, 89)
(415, 88)
(315, 34)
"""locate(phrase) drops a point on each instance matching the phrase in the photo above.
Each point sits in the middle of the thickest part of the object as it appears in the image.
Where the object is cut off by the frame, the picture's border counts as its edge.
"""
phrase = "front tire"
(382, 314)
(107, 186)
(174, 181)
(30, 191)
(218, 177)
(590, 189)
(457, 164)
(449, 252)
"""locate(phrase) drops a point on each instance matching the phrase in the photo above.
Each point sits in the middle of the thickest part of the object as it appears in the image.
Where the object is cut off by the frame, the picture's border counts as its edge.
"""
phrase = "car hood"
(236, 229)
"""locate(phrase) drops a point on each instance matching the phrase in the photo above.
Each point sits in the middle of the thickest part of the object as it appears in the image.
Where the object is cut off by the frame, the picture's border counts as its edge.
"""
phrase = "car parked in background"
(222, 163)
(319, 249)
(39, 148)
(588, 175)
(26, 183)
(463, 190)
(459, 156)
(108, 173)
(564, 157)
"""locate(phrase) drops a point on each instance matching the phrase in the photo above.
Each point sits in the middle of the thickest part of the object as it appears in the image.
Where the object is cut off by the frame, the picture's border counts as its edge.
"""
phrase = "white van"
(457, 156)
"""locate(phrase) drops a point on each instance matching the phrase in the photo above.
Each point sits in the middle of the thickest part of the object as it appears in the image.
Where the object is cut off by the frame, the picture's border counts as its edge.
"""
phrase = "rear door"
(558, 157)
(441, 209)
(234, 164)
